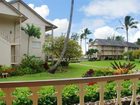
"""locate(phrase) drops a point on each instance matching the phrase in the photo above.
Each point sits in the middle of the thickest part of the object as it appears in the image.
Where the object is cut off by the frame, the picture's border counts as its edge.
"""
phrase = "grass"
(75, 70)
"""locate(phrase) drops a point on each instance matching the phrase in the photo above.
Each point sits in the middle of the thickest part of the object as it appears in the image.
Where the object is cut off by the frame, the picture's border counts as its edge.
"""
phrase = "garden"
(33, 68)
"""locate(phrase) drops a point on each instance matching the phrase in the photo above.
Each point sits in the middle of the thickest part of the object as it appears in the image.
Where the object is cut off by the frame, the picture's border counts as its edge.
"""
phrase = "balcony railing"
(9, 87)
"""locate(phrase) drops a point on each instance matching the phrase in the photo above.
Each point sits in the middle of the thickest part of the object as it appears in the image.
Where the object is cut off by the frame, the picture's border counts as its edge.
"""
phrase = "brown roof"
(106, 42)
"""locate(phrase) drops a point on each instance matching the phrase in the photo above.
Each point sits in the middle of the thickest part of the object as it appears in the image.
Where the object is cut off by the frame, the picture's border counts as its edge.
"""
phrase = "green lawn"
(75, 70)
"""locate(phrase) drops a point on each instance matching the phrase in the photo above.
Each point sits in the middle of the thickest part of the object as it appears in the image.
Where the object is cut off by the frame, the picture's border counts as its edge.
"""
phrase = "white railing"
(9, 87)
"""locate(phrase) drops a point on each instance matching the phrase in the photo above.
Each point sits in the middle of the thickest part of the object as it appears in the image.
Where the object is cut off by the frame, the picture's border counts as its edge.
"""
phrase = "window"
(36, 44)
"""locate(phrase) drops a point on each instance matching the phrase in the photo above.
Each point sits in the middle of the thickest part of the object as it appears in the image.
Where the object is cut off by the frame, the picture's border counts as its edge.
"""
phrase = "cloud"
(92, 23)
(104, 32)
(43, 10)
(133, 38)
(111, 8)
(62, 25)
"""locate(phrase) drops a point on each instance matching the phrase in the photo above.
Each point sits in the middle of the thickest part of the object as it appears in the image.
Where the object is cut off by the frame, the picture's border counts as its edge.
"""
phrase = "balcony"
(9, 87)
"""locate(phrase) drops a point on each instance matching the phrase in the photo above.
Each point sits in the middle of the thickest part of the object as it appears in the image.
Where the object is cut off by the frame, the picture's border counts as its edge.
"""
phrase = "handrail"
(59, 84)
(69, 81)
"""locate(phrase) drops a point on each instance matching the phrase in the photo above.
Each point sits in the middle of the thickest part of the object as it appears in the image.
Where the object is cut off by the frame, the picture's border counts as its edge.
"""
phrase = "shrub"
(64, 63)
(89, 73)
(29, 65)
(103, 72)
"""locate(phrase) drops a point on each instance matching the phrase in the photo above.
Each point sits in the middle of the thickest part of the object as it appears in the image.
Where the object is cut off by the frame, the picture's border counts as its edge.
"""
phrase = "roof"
(15, 10)
(106, 42)
(52, 26)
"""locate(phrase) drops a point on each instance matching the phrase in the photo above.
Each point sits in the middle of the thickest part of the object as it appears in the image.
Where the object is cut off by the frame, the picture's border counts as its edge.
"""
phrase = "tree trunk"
(81, 42)
(127, 44)
(54, 68)
(28, 45)
(85, 46)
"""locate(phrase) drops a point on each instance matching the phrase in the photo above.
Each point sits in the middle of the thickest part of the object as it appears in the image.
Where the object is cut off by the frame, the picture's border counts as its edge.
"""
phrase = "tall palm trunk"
(85, 46)
(54, 68)
(127, 47)
(81, 42)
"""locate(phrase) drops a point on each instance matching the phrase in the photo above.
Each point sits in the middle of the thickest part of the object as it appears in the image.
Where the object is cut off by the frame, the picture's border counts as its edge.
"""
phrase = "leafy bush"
(29, 65)
(103, 72)
(64, 63)
(98, 72)
(89, 73)
(129, 55)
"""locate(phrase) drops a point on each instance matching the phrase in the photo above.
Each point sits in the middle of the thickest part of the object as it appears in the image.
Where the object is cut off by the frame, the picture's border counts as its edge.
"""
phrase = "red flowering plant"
(89, 73)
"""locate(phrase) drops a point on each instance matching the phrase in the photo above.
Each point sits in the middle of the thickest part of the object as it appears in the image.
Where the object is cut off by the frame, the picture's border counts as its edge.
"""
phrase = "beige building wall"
(5, 52)
(35, 44)
(5, 10)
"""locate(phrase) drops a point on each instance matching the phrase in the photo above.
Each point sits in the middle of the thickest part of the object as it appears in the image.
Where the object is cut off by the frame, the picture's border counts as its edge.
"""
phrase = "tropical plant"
(73, 49)
(129, 22)
(138, 41)
(116, 38)
(90, 52)
(81, 38)
(32, 31)
(90, 40)
(75, 36)
(122, 68)
(84, 35)
(54, 68)
(136, 54)
(89, 73)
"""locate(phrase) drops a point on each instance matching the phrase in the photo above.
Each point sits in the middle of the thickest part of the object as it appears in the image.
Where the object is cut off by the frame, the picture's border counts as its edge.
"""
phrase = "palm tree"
(75, 36)
(90, 40)
(129, 23)
(81, 38)
(85, 33)
(54, 68)
(32, 31)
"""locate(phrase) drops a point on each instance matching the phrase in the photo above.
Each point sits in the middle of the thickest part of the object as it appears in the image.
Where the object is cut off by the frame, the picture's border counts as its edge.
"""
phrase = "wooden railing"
(9, 87)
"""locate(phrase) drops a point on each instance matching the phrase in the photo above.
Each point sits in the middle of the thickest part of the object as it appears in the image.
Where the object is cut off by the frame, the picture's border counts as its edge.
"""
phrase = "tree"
(90, 52)
(32, 31)
(90, 40)
(138, 41)
(117, 38)
(81, 38)
(75, 36)
(85, 33)
(128, 23)
(73, 49)
(54, 68)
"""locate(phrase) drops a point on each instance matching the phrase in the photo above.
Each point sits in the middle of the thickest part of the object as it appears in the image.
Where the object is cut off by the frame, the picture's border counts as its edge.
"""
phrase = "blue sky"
(100, 16)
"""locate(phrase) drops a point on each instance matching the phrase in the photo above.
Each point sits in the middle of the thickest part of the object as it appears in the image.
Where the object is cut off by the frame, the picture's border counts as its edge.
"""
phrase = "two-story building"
(13, 41)
(111, 48)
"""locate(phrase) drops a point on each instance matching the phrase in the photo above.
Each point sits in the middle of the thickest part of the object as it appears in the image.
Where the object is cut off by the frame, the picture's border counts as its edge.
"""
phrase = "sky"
(100, 16)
